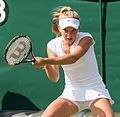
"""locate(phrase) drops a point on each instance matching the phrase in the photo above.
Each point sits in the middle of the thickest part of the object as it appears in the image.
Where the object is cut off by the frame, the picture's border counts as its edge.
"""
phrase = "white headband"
(66, 22)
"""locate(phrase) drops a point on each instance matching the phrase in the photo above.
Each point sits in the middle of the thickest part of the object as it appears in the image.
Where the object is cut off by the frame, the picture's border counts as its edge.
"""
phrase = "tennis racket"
(18, 50)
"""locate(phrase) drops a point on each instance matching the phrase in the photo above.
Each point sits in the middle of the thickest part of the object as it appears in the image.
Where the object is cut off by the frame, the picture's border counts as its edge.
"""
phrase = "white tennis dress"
(82, 79)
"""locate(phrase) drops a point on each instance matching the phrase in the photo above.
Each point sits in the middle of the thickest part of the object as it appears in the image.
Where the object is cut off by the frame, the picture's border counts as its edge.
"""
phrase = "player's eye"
(65, 30)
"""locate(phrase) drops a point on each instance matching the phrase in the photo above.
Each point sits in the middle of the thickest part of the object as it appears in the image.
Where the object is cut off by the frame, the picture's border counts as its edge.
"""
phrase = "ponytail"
(55, 26)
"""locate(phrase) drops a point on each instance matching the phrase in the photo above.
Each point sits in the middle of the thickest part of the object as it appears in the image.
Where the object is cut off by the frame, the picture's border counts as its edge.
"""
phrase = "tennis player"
(74, 51)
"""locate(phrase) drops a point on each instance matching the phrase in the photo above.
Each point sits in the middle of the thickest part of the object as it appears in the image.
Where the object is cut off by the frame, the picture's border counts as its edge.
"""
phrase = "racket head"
(17, 50)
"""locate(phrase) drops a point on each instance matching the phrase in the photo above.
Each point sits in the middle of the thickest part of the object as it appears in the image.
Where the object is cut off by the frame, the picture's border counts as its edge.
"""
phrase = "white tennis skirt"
(85, 94)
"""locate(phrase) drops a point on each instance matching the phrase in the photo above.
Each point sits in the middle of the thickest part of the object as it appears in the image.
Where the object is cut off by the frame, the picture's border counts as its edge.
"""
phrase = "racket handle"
(29, 60)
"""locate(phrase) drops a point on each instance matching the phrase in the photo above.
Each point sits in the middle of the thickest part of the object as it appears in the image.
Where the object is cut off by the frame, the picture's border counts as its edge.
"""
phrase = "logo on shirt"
(99, 94)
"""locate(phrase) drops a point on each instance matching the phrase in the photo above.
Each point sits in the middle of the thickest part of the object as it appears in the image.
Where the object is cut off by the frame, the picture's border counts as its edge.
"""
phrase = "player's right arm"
(52, 71)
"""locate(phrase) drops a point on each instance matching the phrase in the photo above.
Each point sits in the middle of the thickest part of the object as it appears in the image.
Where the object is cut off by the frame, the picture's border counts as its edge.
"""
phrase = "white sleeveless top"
(82, 78)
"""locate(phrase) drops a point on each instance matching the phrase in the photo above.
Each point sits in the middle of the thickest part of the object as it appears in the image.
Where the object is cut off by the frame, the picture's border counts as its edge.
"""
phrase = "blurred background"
(27, 88)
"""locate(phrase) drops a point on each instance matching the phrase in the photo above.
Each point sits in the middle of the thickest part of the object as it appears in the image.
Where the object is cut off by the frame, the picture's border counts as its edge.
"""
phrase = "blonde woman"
(74, 51)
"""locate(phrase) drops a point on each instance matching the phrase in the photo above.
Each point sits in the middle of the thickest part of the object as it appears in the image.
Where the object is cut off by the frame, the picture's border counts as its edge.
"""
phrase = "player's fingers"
(36, 60)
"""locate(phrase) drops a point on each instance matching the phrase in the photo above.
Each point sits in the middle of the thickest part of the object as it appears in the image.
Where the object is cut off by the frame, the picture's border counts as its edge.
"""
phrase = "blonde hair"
(62, 12)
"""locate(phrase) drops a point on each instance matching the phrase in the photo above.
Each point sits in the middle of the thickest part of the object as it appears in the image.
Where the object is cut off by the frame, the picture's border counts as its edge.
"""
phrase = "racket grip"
(29, 61)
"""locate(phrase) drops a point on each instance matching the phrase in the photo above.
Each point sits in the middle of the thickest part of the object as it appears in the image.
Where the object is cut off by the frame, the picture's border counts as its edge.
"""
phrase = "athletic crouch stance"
(74, 51)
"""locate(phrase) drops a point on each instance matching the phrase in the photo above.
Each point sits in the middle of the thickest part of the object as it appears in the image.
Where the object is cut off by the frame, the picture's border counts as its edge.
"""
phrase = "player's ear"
(59, 28)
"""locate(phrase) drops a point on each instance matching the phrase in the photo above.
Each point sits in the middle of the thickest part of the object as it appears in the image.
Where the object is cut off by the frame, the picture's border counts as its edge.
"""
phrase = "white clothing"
(66, 22)
(82, 79)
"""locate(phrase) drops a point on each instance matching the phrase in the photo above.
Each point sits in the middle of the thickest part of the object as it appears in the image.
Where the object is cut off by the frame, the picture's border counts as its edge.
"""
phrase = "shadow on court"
(15, 101)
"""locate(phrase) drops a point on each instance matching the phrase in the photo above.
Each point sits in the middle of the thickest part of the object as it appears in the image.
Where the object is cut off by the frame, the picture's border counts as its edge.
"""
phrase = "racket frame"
(28, 53)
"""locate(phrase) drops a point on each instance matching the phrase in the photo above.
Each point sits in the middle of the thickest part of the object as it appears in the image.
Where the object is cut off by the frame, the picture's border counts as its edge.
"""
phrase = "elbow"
(73, 60)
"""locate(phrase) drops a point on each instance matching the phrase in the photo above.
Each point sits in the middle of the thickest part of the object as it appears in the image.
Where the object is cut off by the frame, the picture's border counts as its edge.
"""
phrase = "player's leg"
(102, 108)
(60, 108)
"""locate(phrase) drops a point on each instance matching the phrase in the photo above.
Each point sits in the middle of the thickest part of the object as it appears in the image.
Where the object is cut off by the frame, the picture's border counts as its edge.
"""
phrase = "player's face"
(69, 34)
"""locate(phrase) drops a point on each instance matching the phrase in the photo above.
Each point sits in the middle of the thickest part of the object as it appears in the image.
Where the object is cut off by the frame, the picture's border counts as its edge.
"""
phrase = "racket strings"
(18, 50)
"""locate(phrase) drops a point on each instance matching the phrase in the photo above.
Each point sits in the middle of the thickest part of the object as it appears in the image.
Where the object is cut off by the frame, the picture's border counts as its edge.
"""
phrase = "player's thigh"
(60, 108)
(102, 108)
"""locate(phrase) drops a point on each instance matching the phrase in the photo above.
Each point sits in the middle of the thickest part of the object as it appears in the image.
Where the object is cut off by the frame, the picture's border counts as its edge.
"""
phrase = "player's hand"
(39, 63)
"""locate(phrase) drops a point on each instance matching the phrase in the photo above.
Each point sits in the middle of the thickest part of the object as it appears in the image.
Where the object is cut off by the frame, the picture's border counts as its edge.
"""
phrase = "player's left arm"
(79, 51)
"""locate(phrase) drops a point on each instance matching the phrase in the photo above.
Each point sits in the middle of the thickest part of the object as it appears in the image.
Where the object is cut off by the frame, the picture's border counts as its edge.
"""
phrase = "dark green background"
(33, 18)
